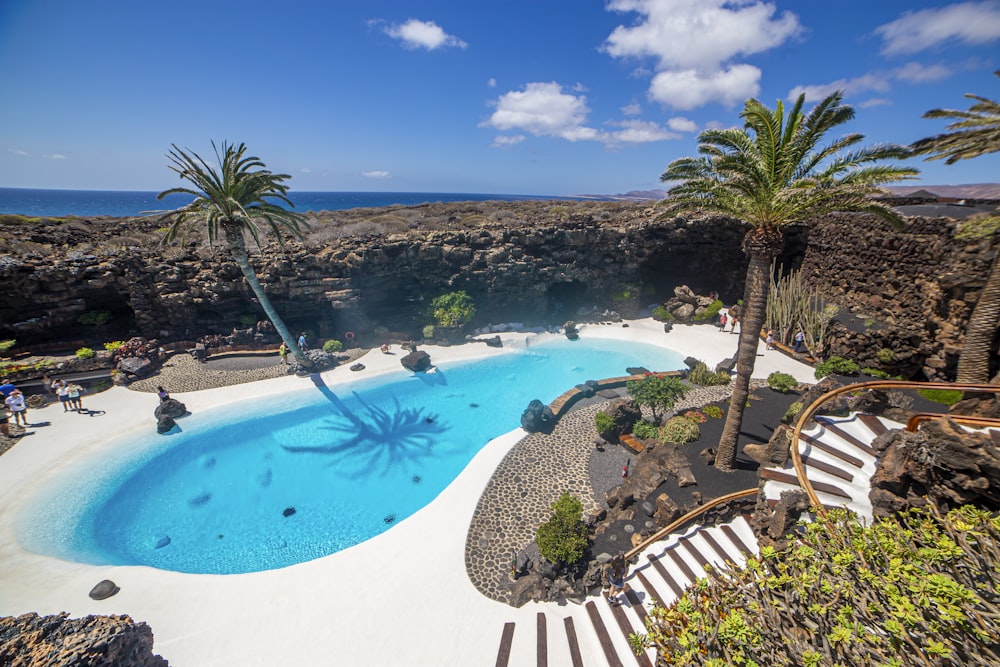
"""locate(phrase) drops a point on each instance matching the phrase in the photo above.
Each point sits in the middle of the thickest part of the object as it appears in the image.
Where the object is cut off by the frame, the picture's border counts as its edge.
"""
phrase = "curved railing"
(690, 516)
(807, 413)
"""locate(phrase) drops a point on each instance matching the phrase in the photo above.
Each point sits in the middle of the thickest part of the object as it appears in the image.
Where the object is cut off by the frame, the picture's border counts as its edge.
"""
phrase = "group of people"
(70, 395)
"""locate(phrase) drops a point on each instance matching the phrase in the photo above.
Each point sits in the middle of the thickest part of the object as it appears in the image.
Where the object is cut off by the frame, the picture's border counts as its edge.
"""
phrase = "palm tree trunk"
(974, 360)
(762, 251)
(237, 249)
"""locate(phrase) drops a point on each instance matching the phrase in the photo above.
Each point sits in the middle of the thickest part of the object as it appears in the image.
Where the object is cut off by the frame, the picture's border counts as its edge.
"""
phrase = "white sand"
(401, 598)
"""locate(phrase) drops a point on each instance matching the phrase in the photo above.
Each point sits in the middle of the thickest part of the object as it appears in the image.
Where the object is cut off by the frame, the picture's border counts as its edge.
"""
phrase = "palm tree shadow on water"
(376, 442)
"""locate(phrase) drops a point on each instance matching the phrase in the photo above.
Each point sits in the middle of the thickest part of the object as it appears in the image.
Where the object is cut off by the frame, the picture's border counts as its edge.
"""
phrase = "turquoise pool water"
(306, 474)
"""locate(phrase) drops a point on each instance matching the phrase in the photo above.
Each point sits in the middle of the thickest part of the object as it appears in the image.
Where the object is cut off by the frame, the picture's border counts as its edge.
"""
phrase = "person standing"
(7, 387)
(722, 323)
(17, 406)
(75, 391)
(770, 339)
(62, 391)
(616, 578)
(283, 352)
(302, 342)
(800, 339)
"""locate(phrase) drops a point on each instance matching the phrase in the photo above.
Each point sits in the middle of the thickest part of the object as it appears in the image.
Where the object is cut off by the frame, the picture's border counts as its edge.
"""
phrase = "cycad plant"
(771, 172)
(236, 198)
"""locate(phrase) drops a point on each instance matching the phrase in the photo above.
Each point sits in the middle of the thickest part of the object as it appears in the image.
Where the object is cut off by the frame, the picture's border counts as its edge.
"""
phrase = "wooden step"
(833, 451)
(716, 547)
(503, 655)
(618, 612)
(828, 468)
(675, 556)
(777, 476)
(542, 641)
(666, 576)
(735, 538)
(574, 645)
(873, 423)
(602, 635)
(833, 428)
(658, 599)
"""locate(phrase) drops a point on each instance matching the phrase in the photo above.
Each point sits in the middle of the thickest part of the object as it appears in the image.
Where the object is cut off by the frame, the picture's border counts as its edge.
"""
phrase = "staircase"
(839, 463)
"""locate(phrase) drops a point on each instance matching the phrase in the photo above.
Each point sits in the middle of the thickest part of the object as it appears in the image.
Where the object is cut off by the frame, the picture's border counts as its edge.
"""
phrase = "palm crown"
(975, 132)
(774, 171)
(237, 197)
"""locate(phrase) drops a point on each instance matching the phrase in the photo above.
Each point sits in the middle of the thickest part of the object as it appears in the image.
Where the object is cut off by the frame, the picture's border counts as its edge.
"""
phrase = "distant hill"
(631, 195)
(971, 191)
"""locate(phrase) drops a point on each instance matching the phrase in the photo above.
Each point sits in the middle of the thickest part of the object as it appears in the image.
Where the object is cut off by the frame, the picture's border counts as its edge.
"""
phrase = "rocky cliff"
(59, 641)
(375, 270)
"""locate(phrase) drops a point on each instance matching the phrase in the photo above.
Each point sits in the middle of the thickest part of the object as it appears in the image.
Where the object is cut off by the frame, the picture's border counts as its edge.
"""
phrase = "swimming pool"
(303, 475)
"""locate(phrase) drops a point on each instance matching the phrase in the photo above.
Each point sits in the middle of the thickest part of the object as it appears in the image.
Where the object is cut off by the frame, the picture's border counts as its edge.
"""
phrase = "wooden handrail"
(914, 422)
(807, 413)
(693, 514)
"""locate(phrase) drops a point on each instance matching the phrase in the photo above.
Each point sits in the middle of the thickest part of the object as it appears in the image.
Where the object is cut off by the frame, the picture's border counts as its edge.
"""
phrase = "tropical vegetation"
(769, 173)
(563, 538)
(919, 589)
(453, 309)
(656, 391)
(237, 198)
(973, 133)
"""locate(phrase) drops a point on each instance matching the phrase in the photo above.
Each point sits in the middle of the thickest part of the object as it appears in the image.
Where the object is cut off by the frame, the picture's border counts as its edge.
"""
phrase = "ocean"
(84, 203)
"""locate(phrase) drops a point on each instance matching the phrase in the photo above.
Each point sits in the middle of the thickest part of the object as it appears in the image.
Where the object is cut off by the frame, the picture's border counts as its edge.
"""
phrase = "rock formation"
(93, 641)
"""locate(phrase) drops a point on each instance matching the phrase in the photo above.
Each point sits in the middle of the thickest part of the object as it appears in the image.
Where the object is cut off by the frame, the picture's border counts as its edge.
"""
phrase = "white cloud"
(917, 73)
(689, 89)
(853, 86)
(305, 170)
(682, 124)
(875, 102)
(543, 109)
(503, 141)
(377, 174)
(964, 22)
(639, 132)
(54, 156)
(423, 34)
(694, 43)
(492, 83)
(631, 109)
(16, 151)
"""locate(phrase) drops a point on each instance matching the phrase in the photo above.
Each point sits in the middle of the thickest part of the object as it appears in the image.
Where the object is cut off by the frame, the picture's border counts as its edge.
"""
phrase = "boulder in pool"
(417, 361)
(170, 407)
(538, 418)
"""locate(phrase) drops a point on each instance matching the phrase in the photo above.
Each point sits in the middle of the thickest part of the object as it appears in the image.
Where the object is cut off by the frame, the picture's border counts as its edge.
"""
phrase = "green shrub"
(428, 332)
(604, 424)
(453, 309)
(944, 396)
(85, 353)
(333, 346)
(782, 382)
(710, 313)
(876, 373)
(656, 391)
(248, 320)
(113, 345)
(700, 375)
(100, 385)
(661, 314)
(644, 430)
(792, 412)
(679, 430)
(836, 366)
(5, 345)
(713, 411)
(563, 538)
(885, 355)
(94, 318)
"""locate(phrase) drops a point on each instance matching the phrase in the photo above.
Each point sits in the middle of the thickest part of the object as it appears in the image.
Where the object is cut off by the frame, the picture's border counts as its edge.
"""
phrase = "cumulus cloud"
(54, 156)
(504, 141)
(492, 83)
(545, 109)
(682, 124)
(963, 22)
(880, 82)
(694, 43)
(875, 102)
(428, 35)
(16, 151)
(305, 170)
(631, 109)
(377, 174)
(689, 89)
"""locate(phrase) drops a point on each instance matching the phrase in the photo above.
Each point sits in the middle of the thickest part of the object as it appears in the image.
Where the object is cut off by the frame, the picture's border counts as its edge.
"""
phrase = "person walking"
(283, 353)
(722, 323)
(15, 403)
(616, 578)
(302, 342)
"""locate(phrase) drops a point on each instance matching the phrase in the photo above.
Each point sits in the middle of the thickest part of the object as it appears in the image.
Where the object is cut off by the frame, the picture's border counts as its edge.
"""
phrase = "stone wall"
(912, 290)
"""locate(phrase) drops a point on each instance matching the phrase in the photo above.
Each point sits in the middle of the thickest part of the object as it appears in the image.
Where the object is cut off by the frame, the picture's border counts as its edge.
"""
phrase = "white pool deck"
(401, 598)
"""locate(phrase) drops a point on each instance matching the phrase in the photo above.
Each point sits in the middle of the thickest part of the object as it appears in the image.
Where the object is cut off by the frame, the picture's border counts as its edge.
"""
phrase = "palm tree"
(975, 132)
(769, 173)
(236, 199)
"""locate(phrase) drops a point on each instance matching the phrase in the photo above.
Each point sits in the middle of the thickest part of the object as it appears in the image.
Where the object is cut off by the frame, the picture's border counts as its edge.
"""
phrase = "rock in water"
(538, 417)
(416, 361)
(171, 407)
(164, 424)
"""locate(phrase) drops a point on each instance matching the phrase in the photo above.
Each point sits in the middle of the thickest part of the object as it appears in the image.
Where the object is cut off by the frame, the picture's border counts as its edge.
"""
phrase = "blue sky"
(548, 97)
